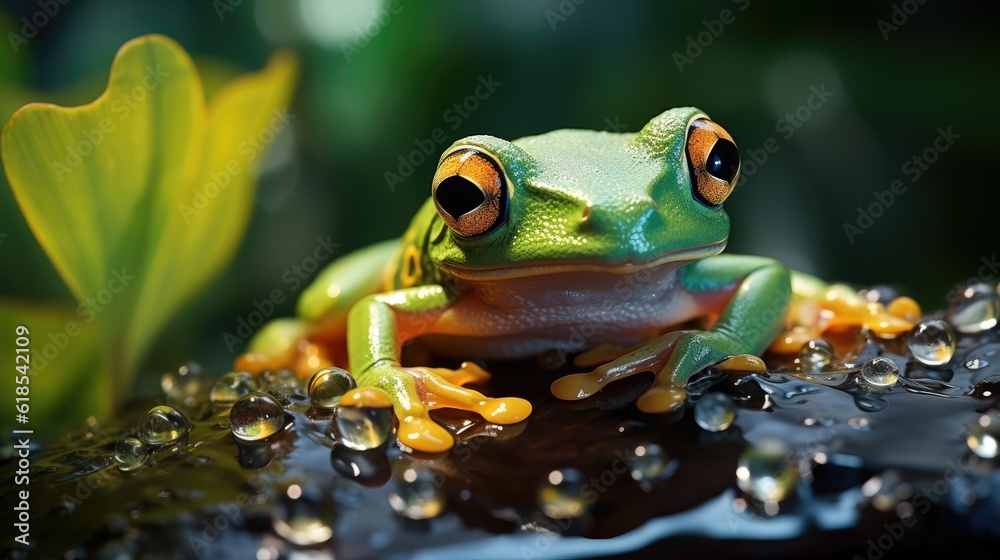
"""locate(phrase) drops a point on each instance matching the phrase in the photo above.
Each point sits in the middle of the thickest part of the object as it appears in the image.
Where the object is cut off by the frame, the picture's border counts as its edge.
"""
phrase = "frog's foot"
(667, 392)
(282, 344)
(649, 357)
(415, 391)
(839, 308)
(675, 357)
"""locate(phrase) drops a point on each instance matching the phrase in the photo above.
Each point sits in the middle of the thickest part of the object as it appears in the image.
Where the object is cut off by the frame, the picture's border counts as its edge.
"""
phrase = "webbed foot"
(415, 391)
(674, 357)
(838, 307)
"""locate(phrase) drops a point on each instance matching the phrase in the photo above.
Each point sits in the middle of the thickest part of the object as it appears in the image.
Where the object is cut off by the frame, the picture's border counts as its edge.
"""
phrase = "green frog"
(605, 246)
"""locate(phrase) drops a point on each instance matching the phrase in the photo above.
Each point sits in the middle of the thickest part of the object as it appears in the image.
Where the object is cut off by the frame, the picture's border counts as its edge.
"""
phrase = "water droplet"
(304, 515)
(879, 293)
(987, 389)
(186, 387)
(328, 385)
(417, 493)
(714, 412)
(816, 354)
(282, 382)
(887, 490)
(364, 419)
(803, 389)
(976, 363)
(932, 343)
(130, 453)
(979, 359)
(860, 423)
(162, 425)
(560, 496)
(767, 471)
(649, 461)
(233, 385)
(256, 416)
(880, 372)
(975, 309)
(983, 435)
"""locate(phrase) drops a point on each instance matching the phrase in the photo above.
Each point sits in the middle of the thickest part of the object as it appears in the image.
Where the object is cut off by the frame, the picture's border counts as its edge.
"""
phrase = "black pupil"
(723, 161)
(458, 196)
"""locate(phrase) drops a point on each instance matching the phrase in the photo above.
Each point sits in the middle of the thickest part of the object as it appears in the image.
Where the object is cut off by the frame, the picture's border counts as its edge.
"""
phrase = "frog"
(606, 246)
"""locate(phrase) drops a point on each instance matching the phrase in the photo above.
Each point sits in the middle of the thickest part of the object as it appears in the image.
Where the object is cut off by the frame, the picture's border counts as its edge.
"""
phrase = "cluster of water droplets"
(769, 471)
(931, 345)
(569, 493)
(259, 411)
(158, 430)
(919, 361)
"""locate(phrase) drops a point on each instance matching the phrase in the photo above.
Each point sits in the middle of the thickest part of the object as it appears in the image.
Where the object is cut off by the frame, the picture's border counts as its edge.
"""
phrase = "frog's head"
(584, 200)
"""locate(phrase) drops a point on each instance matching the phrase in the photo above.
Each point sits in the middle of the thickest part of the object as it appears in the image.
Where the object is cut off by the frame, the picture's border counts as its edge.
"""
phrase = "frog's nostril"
(458, 196)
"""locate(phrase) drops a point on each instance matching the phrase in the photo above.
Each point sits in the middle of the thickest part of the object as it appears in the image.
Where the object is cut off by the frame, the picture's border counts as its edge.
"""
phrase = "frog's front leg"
(378, 325)
(748, 295)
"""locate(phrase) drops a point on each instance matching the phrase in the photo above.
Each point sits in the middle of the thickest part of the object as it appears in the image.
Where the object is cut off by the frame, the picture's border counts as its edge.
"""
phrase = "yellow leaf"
(111, 189)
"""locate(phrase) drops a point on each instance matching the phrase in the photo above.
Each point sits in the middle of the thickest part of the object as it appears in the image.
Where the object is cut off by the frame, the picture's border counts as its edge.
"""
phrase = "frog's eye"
(713, 161)
(470, 192)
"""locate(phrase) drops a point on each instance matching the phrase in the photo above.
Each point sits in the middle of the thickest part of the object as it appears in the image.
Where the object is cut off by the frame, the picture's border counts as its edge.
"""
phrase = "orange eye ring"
(470, 192)
(713, 161)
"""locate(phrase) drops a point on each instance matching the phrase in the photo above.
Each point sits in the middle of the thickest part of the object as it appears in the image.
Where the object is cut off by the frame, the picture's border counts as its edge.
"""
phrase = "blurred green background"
(378, 77)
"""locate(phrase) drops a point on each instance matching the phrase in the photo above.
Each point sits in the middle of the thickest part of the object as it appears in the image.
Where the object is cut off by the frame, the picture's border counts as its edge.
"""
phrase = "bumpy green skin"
(557, 175)
(641, 207)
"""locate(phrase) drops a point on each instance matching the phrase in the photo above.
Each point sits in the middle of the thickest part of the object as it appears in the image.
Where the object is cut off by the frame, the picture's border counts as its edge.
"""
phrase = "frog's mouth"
(671, 259)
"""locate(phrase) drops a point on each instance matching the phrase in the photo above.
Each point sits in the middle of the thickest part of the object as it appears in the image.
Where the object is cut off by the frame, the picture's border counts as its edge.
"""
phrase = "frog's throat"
(623, 268)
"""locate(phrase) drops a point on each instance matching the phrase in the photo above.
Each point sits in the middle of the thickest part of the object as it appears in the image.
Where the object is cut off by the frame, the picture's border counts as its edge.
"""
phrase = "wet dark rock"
(212, 495)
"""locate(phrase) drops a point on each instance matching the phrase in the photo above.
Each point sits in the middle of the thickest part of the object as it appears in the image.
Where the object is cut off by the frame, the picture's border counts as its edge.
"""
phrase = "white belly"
(522, 317)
